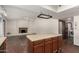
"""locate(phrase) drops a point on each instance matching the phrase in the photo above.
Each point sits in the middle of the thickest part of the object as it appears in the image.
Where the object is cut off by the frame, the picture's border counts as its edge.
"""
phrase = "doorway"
(63, 29)
(66, 29)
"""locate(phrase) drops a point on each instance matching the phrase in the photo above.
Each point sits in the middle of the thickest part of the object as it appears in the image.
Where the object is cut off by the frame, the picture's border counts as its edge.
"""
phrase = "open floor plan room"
(39, 29)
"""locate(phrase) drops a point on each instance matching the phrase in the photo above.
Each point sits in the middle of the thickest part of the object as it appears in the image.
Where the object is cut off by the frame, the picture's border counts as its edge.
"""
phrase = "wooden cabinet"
(38, 46)
(48, 45)
(3, 47)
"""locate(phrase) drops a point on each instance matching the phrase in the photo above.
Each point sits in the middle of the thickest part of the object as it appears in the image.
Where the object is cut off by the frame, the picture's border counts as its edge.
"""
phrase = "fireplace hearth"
(23, 30)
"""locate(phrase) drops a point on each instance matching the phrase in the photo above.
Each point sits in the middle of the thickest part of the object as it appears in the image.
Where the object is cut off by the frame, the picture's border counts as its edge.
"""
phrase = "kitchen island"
(45, 43)
(2, 44)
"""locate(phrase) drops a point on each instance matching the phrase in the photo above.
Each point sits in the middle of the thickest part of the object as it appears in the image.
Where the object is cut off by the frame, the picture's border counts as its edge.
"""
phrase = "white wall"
(76, 30)
(1, 27)
(13, 25)
(36, 26)
(44, 26)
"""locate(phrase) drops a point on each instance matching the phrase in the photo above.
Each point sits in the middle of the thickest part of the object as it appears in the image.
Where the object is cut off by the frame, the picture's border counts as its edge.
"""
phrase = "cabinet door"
(38, 47)
(55, 44)
(48, 46)
(60, 43)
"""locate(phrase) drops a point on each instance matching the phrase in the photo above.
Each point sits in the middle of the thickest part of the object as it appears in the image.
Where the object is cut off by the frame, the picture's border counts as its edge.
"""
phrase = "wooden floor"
(18, 44)
(68, 47)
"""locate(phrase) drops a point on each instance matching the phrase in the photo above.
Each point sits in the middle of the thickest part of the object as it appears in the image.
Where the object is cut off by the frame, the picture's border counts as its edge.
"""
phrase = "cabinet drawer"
(38, 42)
(48, 40)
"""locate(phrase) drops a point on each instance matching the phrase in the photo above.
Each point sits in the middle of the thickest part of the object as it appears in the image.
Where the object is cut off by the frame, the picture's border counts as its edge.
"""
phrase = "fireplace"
(23, 30)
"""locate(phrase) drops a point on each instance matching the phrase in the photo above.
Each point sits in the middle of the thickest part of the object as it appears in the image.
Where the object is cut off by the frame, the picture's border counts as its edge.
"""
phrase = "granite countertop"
(41, 36)
(18, 34)
(2, 39)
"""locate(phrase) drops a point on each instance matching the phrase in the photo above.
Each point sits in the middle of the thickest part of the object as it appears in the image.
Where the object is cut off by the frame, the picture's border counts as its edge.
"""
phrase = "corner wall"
(1, 27)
